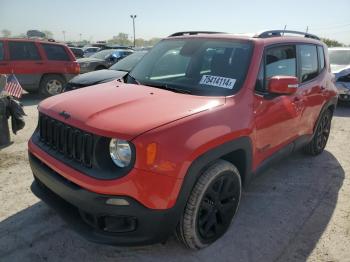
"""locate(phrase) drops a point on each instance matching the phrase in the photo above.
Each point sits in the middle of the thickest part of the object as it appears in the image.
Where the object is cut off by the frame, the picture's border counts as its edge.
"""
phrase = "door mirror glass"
(283, 85)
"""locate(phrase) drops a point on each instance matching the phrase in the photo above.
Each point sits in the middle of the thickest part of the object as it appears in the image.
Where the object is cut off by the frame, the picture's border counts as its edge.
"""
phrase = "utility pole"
(133, 25)
(80, 37)
(64, 36)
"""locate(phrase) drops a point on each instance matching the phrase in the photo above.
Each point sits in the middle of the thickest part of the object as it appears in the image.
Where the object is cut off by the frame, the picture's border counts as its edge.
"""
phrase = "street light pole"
(133, 24)
(64, 36)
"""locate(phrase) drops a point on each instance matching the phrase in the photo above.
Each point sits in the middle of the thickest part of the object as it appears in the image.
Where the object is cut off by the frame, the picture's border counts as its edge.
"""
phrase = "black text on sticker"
(218, 81)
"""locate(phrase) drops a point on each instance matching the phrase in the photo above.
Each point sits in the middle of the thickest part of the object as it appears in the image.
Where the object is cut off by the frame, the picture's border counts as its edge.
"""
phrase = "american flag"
(13, 87)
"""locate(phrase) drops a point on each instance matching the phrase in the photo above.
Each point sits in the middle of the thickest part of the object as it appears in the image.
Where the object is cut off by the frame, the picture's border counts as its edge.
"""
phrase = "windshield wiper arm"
(134, 79)
(170, 88)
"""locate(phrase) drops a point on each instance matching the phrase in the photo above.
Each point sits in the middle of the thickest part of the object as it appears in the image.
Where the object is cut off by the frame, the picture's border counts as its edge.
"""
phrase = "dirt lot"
(298, 210)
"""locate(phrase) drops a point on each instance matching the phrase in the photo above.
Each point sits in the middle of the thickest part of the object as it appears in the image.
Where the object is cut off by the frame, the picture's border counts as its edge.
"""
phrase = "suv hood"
(124, 110)
(97, 77)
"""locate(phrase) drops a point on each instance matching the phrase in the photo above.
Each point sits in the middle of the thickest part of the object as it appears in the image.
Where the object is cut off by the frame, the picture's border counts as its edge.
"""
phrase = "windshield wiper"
(170, 88)
(134, 79)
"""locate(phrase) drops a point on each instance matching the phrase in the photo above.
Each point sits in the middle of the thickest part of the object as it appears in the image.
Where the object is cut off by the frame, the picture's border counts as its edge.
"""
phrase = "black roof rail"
(274, 33)
(194, 33)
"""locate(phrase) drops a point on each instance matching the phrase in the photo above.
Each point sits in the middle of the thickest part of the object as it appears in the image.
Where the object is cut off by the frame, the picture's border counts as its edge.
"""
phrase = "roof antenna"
(285, 27)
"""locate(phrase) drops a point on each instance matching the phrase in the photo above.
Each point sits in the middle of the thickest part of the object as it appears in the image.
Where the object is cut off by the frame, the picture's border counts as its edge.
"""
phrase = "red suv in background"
(170, 148)
(38, 65)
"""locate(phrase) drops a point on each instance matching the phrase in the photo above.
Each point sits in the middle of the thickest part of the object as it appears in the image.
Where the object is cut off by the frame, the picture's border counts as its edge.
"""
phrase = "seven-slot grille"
(71, 142)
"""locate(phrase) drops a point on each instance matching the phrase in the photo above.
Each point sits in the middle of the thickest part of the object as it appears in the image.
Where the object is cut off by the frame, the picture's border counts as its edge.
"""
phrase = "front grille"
(69, 141)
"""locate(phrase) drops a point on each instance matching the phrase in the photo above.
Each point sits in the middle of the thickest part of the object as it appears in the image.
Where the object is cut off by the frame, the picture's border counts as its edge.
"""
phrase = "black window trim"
(296, 45)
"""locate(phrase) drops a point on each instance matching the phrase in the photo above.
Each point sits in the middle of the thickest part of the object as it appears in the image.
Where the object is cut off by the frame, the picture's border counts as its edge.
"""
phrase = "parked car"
(90, 50)
(39, 65)
(169, 149)
(340, 64)
(78, 52)
(116, 71)
(102, 60)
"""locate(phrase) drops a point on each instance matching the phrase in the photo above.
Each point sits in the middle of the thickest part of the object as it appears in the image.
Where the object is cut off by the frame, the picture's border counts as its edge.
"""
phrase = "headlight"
(120, 152)
(84, 64)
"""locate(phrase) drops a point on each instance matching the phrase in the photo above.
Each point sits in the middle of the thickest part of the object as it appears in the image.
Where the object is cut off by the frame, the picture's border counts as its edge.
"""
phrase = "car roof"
(250, 37)
(37, 40)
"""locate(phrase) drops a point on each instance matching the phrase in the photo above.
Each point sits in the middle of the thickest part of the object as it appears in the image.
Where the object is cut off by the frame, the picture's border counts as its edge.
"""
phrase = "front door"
(276, 116)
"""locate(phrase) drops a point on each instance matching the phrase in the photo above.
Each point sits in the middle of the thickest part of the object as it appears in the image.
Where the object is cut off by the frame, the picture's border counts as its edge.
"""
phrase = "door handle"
(3, 64)
(39, 63)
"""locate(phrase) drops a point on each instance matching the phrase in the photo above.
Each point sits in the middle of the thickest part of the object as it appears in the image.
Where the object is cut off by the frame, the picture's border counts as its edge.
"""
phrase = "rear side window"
(280, 61)
(23, 51)
(1, 51)
(320, 57)
(308, 62)
(55, 52)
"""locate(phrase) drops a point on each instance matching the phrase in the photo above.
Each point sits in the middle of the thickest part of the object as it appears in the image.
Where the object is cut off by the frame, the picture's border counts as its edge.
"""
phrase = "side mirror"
(283, 85)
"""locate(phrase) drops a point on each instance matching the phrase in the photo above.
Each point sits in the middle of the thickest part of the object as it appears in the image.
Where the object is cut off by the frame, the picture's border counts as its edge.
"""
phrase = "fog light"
(117, 202)
(119, 224)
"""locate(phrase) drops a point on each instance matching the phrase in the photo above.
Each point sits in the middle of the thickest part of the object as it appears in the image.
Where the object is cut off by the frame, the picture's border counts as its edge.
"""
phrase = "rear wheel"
(211, 206)
(319, 141)
(52, 85)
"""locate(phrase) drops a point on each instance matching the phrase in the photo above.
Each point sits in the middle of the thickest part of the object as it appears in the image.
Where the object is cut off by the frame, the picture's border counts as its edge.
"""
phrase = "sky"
(101, 20)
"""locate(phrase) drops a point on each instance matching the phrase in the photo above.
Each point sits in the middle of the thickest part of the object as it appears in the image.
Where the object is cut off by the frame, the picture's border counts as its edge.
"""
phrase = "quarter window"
(55, 52)
(1, 51)
(320, 57)
(280, 61)
(23, 51)
(308, 62)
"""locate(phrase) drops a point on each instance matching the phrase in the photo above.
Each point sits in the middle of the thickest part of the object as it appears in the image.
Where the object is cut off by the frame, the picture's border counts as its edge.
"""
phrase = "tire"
(320, 137)
(211, 206)
(52, 85)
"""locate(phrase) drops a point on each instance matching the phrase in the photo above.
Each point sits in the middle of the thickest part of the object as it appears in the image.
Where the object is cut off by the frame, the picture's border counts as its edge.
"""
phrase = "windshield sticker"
(218, 81)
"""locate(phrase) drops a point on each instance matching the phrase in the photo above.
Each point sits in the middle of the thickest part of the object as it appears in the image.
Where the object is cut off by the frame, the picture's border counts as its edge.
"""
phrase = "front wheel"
(211, 206)
(320, 138)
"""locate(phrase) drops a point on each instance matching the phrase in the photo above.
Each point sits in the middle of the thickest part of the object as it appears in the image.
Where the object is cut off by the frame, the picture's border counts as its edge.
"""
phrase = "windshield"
(198, 66)
(103, 54)
(339, 57)
(128, 62)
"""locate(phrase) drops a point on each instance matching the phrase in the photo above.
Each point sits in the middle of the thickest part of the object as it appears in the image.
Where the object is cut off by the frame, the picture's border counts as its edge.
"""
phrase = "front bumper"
(91, 217)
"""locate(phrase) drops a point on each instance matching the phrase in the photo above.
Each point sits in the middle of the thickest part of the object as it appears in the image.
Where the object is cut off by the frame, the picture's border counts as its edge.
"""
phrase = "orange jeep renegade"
(170, 148)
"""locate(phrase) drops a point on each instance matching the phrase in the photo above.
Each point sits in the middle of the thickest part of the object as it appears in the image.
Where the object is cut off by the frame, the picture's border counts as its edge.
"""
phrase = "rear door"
(26, 63)
(312, 79)
(276, 117)
(57, 60)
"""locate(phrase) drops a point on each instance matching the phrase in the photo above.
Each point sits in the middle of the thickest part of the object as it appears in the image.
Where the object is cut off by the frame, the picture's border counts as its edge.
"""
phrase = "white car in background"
(340, 64)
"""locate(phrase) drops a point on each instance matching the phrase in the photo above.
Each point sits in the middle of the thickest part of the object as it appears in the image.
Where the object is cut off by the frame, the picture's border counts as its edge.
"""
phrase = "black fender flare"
(332, 102)
(199, 164)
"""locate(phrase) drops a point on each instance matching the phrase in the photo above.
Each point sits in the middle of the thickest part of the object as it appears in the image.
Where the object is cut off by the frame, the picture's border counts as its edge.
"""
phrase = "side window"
(280, 61)
(23, 51)
(55, 52)
(2, 55)
(320, 57)
(308, 62)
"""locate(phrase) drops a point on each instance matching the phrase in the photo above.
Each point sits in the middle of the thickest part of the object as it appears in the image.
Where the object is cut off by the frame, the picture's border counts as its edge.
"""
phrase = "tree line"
(119, 39)
(124, 39)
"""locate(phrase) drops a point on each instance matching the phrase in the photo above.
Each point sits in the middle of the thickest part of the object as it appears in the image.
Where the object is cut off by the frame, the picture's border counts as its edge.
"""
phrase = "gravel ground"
(298, 210)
